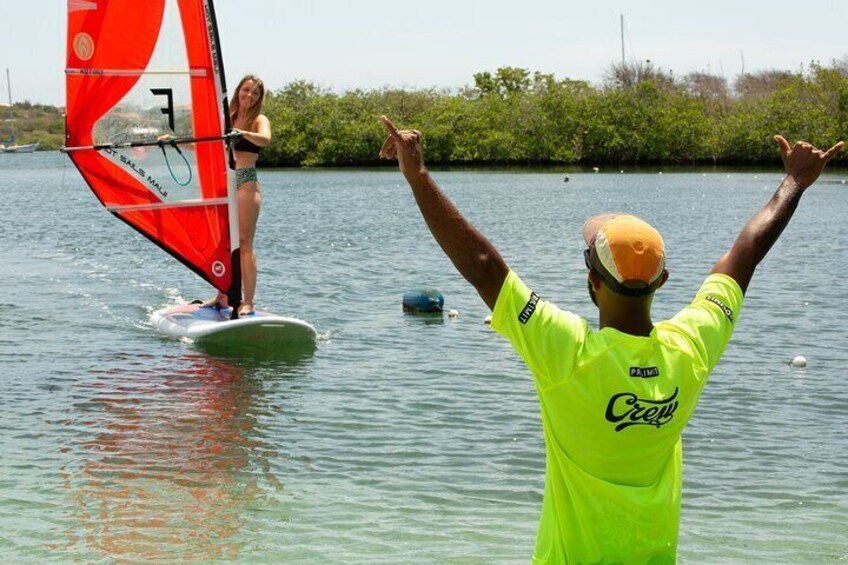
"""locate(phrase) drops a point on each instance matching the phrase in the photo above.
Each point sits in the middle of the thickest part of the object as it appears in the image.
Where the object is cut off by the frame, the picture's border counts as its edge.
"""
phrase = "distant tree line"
(641, 114)
(513, 116)
(33, 122)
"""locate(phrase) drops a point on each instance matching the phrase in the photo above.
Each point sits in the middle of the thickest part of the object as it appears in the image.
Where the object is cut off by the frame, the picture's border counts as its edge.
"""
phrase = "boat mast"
(622, 40)
(11, 110)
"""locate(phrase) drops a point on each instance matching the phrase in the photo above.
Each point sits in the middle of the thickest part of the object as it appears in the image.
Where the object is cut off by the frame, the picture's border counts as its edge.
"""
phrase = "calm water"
(401, 439)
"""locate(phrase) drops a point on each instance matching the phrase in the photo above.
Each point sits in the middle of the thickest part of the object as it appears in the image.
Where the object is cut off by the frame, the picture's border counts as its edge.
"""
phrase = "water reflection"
(170, 458)
(425, 318)
(255, 355)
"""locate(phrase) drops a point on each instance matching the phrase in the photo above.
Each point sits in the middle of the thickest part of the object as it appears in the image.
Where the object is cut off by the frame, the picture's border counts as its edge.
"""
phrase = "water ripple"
(400, 439)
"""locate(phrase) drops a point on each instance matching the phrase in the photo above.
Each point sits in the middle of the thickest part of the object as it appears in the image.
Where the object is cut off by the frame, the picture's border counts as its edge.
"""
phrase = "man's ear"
(594, 280)
(664, 278)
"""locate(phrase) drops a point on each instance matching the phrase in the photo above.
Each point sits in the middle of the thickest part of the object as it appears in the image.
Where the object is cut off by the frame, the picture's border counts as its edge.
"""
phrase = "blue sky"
(343, 44)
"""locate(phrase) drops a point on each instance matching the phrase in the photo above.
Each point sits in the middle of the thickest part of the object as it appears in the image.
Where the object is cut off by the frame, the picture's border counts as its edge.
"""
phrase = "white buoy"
(453, 313)
(798, 361)
(488, 320)
(595, 169)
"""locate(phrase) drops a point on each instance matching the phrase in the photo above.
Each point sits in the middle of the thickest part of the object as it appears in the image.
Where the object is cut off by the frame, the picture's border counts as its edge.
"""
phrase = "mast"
(11, 109)
(234, 292)
(622, 39)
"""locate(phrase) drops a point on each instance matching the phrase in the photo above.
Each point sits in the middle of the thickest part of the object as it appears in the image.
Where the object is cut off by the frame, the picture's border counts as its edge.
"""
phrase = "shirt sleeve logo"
(727, 311)
(529, 308)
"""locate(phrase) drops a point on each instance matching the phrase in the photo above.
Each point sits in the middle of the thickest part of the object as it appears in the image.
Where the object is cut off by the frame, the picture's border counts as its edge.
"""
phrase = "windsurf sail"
(147, 126)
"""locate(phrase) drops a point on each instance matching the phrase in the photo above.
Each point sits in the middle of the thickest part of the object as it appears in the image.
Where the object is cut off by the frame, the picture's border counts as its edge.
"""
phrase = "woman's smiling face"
(249, 94)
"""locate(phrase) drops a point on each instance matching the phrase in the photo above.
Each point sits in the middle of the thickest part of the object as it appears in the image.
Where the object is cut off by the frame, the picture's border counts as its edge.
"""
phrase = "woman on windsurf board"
(255, 130)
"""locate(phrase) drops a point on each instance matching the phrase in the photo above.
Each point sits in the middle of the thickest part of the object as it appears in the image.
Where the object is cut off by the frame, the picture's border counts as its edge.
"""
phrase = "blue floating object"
(423, 301)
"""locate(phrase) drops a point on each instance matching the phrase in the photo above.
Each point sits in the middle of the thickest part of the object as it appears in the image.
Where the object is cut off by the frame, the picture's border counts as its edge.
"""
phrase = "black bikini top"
(243, 144)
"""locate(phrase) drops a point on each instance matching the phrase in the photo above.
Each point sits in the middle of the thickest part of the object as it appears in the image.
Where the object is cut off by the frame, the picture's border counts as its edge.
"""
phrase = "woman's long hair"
(252, 113)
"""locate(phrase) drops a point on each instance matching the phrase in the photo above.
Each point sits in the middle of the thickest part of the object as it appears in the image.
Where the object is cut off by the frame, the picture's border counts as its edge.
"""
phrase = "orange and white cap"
(626, 251)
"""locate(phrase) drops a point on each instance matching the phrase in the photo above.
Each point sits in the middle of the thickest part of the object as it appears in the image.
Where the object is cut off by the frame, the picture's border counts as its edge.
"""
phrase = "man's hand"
(804, 162)
(406, 146)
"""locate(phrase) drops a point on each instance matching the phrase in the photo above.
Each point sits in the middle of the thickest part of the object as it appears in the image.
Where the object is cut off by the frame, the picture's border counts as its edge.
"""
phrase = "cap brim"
(593, 225)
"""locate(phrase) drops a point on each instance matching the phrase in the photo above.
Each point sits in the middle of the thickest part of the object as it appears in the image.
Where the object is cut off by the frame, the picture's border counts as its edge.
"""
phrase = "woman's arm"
(262, 136)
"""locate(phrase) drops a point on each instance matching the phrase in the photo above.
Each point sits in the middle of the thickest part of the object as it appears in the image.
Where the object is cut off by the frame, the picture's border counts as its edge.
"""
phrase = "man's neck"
(641, 328)
(634, 319)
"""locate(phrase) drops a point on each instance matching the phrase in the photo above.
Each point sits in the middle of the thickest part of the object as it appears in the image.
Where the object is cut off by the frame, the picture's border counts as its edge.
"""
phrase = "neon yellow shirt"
(613, 409)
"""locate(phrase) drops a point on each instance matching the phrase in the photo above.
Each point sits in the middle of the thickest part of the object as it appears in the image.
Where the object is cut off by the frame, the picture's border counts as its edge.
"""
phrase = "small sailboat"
(148, 128)
(10, 146)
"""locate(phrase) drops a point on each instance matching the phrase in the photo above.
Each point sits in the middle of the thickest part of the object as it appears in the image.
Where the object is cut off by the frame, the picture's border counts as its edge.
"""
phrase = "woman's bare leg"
(250, 201)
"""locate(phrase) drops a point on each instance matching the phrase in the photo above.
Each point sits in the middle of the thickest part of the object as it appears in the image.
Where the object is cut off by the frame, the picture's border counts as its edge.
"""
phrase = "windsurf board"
(210, 326)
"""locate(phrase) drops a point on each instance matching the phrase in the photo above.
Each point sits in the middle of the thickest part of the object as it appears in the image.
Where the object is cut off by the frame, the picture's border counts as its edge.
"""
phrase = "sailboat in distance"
(12, 146)
(148, 128)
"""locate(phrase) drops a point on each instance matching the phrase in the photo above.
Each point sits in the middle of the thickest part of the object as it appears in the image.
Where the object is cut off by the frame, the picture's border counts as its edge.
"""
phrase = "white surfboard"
(209, 326)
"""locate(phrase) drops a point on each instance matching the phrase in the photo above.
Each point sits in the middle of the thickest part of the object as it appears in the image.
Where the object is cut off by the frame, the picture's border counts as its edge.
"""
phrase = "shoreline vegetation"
(640, 115)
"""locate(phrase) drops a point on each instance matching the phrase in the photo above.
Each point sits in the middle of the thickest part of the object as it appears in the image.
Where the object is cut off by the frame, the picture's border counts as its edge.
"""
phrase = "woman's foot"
(219, 302)
(246, 310)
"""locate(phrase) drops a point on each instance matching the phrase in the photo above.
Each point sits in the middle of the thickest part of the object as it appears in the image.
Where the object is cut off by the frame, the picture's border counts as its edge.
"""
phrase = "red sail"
(137, 71)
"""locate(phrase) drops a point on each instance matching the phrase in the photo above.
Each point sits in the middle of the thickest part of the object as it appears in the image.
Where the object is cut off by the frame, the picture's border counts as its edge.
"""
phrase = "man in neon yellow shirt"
(614, 402)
